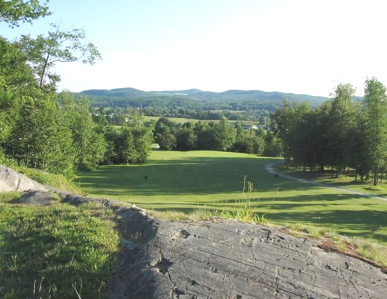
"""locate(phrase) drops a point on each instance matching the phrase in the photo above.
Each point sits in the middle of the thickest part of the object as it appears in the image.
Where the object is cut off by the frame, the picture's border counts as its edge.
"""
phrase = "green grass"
(346, 181)
(60, 251)
(213, 182)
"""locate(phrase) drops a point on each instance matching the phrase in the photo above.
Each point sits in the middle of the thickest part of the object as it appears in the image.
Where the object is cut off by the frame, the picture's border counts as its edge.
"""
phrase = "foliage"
(88, 143)
(44, 130)
(221, 136)
(164, 133)
(127, 144)
(15, 11)
(44, 52)
(375, 123)
(339, 134)
(56, 252)
(39, 138)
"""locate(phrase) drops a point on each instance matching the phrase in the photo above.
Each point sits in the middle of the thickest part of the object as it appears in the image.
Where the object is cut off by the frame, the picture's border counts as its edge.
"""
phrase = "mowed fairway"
(187, 181)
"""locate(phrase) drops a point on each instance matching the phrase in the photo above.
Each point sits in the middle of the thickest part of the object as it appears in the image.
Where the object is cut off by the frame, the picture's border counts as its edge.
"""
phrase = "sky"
(296, 46)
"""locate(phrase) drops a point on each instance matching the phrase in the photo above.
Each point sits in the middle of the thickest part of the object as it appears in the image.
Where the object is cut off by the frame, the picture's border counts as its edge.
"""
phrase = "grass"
(344, 181)
(206, 182)
(60, 251)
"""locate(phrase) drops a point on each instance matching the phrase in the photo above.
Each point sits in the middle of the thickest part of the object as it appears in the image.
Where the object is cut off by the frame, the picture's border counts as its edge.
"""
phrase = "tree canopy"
(339, 134)
(15, 11)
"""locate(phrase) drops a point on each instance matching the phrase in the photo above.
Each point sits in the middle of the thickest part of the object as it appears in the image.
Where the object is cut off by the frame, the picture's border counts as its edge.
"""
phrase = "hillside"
(129, 95)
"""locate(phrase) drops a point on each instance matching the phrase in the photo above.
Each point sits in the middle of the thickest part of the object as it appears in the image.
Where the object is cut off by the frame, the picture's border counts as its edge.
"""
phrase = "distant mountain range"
(196, 94)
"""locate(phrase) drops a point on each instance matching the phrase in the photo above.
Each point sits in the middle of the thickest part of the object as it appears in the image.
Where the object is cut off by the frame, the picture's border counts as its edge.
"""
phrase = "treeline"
(219, 136)
(54, 133)
(42, 129)
(342, 133)
(179, 106)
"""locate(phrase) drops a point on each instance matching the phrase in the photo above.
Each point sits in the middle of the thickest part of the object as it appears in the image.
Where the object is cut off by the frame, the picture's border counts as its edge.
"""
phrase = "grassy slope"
(187, 181)
(56, 251)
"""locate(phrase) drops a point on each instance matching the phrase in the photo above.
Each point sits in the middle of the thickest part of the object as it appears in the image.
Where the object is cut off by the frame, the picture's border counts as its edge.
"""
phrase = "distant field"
(174, 119)
(187, 181)
(186, 120)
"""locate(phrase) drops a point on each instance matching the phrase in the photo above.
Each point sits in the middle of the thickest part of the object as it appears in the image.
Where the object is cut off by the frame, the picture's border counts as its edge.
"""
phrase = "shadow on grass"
(293, 201)
(185, 176)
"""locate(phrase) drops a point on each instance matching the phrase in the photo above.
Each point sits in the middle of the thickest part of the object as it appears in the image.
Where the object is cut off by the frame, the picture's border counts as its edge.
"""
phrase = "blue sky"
(299, 46)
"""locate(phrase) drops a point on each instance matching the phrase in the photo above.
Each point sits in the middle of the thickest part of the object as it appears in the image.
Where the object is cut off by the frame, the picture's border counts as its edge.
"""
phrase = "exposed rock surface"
(229, 259)
(10, 180)
(36, 198)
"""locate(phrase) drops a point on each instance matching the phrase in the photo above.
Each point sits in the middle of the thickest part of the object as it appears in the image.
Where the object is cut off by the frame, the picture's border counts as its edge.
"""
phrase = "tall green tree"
(224, 135)
(341, 121)
(375, 121)
(186, 138)
(40, 137)
(58, 46)
(165, 133)
(284, 123)
(88, 142)
(127, 144)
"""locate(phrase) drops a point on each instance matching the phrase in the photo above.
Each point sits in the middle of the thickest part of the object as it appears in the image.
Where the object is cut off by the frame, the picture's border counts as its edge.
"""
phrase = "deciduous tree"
(58, 46)
(375, 113)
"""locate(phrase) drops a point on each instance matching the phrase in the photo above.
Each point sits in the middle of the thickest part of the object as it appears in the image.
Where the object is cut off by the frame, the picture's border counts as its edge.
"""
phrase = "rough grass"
(60, 251)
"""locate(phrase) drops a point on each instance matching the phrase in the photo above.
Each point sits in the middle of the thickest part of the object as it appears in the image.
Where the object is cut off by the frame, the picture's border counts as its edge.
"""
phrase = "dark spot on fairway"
(146, 177)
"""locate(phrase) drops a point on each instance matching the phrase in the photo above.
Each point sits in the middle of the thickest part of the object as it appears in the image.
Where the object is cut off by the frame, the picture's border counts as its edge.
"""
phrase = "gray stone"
(10, 180)
(37, 198)
(230, 259)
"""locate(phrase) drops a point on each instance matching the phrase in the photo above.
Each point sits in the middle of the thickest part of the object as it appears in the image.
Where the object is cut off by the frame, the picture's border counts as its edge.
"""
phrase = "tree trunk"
(375, 176)
(355, 174)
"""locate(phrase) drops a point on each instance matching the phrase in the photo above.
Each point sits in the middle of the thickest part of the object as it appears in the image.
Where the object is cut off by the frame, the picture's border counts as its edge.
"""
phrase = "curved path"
(269, 168)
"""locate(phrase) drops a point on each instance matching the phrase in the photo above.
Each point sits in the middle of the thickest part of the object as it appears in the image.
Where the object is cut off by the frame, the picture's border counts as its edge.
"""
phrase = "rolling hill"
(196, 94)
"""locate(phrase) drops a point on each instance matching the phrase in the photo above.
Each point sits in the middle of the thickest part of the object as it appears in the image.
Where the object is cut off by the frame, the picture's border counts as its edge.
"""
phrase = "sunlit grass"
(213, 182)
(59, 251)
(346, 180)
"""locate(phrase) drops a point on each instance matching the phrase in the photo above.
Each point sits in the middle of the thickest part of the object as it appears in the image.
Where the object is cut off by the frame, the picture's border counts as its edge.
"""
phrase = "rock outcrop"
(10, 180)
(229, 259)
(37, 198)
